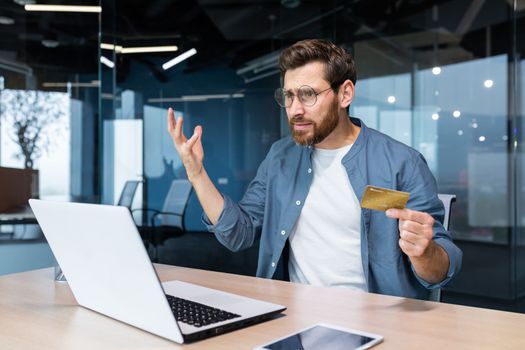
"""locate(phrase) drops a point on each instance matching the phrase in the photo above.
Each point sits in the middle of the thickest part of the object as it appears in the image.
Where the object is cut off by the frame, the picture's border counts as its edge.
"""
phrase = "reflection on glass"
(35, 133)
(461, 138)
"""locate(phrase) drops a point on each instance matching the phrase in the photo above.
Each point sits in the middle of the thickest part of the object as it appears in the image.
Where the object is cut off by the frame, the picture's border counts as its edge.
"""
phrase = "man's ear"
(346, 93)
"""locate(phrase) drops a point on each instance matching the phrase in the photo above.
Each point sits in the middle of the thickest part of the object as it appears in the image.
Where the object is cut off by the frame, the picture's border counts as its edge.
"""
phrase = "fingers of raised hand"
(194, 138)
(171, 120)
(175, 129)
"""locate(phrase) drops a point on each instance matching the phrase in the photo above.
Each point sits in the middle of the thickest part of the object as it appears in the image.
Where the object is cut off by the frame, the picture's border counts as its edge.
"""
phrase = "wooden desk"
(37, 313)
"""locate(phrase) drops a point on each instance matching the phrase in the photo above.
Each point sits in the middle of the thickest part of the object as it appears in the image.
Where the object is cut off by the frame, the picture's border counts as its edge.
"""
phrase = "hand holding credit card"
(379, 198)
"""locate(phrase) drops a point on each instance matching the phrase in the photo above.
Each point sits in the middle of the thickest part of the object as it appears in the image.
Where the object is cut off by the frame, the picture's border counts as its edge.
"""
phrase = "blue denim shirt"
(274, 199)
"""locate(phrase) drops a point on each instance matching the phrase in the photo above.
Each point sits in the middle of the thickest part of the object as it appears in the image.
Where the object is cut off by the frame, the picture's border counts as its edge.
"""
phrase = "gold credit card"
(379, 198)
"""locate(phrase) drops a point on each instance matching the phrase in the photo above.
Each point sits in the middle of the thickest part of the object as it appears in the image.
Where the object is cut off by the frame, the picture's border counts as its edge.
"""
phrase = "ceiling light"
(62, 8)
(488, 83)
(107, 62)
(505, 138)
(435, 116)
(196, 98)
(111, 47)
(24, 2)
(211, 97)
(143, 49)
(107, 46)
(436, 70)
(391, 99)
(138, 49)
(481, 139)
(179, 59)
(460, 132)
(50, 43)
(70, 84)
(291, 4)
(7, 21)
(456, 114)
(474, 125)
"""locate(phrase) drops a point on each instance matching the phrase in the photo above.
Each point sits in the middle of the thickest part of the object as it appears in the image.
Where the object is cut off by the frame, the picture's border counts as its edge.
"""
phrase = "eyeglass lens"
(305, 94)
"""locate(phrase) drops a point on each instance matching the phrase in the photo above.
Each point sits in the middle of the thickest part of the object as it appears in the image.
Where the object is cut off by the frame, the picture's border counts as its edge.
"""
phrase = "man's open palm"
(190, 150)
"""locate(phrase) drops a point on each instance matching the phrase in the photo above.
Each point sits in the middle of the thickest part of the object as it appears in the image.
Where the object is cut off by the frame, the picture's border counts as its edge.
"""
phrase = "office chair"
(447, 200)
(128, 193)
(169, 222)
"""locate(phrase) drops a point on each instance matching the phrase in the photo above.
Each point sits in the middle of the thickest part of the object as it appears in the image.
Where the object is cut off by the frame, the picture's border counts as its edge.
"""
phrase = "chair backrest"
(447, 200)
(128, 193)
(176, 202)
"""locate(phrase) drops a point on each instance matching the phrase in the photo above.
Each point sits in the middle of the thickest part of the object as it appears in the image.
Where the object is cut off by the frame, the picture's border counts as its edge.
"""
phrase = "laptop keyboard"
(195, 314)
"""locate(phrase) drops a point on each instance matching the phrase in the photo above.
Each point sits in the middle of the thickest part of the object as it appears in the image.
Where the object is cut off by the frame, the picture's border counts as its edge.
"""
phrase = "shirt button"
(273, 264)
(298, 203)
(309, 170)
(283, 232)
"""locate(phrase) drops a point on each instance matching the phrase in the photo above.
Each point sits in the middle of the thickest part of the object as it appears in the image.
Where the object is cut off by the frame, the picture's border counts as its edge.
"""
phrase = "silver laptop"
(109, 271)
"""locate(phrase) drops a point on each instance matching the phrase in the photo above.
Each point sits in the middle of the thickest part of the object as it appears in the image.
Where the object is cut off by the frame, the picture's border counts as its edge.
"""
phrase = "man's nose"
(296, 108)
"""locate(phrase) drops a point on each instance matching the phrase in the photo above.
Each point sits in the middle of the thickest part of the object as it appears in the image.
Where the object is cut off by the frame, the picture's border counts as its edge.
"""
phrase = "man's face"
(310, 125)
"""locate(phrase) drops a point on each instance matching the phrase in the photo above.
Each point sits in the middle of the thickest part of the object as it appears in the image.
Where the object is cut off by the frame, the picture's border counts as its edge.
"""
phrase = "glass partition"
(443, 77)
(441, 85)
(49, 93)
(516, 149)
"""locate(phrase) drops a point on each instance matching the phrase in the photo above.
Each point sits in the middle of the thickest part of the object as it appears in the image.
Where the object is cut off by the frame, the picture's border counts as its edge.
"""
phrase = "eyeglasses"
(306, 94)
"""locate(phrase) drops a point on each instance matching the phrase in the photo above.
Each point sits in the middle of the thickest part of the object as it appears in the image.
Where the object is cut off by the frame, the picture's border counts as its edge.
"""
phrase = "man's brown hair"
(339, 64)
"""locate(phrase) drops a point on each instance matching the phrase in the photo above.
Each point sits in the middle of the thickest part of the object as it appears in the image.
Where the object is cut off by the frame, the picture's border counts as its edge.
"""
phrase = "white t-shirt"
(325, 244)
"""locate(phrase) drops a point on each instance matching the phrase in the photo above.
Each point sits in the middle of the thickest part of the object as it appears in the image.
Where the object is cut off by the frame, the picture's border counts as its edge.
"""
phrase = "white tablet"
(324, 337)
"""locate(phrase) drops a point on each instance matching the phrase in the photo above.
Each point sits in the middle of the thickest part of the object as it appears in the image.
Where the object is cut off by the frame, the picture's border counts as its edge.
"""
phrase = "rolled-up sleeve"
(239, 224)
(455, 256)
(423, 197)
(227, 229)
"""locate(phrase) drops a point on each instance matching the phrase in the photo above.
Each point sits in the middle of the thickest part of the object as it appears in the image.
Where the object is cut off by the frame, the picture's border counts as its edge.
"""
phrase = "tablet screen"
(320, 337)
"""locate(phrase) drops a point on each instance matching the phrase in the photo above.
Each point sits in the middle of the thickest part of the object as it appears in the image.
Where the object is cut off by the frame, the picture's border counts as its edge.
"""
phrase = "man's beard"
(320, 132)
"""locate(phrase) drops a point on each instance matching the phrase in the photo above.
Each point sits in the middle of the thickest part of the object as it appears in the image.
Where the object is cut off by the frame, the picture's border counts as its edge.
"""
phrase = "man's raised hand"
(190, 150)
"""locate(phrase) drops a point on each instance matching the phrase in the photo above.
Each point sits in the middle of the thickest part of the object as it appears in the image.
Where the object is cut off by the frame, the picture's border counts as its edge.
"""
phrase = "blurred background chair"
(128, 193)
(447, 200)
(168, 222)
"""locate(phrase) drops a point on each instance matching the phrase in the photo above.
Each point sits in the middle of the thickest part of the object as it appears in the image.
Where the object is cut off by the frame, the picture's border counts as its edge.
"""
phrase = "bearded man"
(304, 203)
